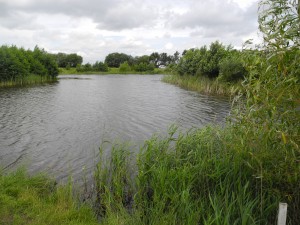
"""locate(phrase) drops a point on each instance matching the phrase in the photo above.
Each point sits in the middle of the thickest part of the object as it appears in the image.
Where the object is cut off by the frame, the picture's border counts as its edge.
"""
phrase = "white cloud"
(169, 46)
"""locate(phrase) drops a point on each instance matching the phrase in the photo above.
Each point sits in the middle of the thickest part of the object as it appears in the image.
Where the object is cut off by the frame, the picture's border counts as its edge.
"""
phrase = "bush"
(124, 67)
(231, 69)
(100, 66)
(79, 68)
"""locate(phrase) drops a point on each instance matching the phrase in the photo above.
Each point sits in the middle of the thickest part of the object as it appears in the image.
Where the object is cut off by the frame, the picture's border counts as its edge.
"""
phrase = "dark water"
(59, 127)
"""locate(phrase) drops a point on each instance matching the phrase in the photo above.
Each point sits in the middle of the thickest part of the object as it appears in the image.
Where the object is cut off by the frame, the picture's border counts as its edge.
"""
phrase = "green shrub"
(100, 66)
(143, 67)
(124, 67)
(232, 69)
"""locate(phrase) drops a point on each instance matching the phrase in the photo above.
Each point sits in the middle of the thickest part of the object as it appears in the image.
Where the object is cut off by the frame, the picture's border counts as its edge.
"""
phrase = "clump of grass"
(38, 200)
(202, 84)
(114, 185)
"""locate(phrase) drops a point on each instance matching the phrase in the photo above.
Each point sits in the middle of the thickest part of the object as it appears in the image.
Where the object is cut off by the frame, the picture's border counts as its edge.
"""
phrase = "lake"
(58, 128)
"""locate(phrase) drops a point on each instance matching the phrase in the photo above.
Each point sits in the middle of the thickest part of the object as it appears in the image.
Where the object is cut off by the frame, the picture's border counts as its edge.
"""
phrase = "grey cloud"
(128, 16)
(3, 9)
(13, 19)
(216, 18)
(108, 14)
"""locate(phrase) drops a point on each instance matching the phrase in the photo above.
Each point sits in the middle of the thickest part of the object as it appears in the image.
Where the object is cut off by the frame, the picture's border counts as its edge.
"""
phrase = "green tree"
(13, 63)
(73, 59)
(115, 59)
(164, 59)
(154, 58)
(191, 62)
(142, 59)
(47, 60)
(100, 66)
(175, 58)
(17, 63)
(87, 67)
(63, 59)
(280, 24)
(36, 67)
(209, 65)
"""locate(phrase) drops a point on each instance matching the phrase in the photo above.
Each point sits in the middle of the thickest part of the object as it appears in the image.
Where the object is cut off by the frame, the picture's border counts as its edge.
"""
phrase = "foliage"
(115, 59)
(63, 60)
(84, 68)
(163, 59)
(142, 63)
(232, 69)
(47, 60)
(13, 64)
(124, 67)
(209, 64)
(100, 66)
(140, 59)
(204, 61)
(154, 58)
(143, 67)
(272, 97)
(16, 64)
(280, 24)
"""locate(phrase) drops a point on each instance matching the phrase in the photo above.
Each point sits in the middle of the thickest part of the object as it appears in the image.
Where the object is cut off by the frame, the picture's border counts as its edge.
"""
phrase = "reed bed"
(28, 80)
(235, 175)
(202, 85)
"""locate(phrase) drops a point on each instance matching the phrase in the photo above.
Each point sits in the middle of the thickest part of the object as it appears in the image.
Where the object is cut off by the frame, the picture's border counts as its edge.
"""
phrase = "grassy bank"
(202, 84)
(64, 71)
(28, 80)
(37, 200)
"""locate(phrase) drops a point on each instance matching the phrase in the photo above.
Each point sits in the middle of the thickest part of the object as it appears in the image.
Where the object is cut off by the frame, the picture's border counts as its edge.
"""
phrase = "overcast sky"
(94, 28)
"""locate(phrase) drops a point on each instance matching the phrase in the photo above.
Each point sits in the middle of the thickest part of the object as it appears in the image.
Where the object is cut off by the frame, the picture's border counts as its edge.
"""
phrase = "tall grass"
(202, 84)
(38, 200)
(233, 175)
(28, 80)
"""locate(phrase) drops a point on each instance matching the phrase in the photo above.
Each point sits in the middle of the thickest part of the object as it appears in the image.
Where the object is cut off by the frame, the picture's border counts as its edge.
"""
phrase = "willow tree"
(271, 116)
(279, 21)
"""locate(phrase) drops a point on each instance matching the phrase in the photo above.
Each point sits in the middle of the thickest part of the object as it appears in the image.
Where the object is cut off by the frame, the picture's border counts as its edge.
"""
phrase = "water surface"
(59, 127)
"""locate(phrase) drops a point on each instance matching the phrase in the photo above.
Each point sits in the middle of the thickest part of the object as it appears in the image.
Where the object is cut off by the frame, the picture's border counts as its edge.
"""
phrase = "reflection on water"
(59, 127)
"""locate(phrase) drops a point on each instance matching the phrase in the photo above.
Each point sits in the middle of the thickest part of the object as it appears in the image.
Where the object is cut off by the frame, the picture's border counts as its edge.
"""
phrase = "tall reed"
(233, 175)
(202, 84)
(28, 80)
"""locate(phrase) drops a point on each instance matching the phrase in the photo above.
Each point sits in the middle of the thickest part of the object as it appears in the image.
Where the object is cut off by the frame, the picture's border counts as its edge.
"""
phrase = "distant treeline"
(67, 60)
(16, 64)
(213, 61)
(127, 63)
